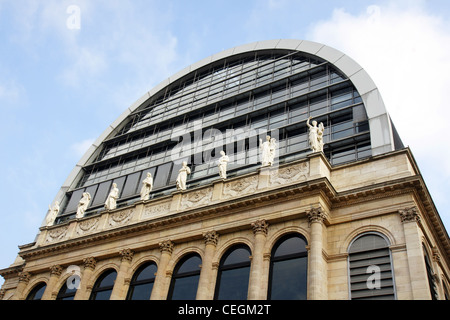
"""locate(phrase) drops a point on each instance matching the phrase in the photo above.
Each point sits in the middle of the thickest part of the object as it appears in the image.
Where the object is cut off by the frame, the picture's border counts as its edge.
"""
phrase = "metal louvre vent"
(370, 269)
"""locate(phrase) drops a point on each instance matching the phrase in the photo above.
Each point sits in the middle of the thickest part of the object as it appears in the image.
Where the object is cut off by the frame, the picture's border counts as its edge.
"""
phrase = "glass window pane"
(290, 246)
(162, 174)
(234, 284)
(147, 273)
(289, 279)
(141, 292)
(102, 193)
(185, 288)
(131, 184)
(238, 255)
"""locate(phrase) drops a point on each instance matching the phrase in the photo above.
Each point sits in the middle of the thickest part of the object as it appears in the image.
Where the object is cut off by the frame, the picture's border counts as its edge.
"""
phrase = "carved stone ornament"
(126, 254)
(87, 226)
(260, 226)
(24, 276)
(240, 187)
(57, 234)
(211, 237)
(315, 215)
(120, 218)
(156, 210)
(166, 246)
(409, 215)
(90, 263)
(196, 198)
(295, 173)
(56, 270)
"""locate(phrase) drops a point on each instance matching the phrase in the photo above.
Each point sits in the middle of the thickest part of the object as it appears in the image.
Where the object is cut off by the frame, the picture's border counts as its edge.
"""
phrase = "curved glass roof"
(228, 102)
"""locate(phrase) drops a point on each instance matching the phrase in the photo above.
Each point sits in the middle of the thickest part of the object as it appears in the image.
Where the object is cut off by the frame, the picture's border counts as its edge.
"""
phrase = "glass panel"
(102, 295)
(234, 284)
(190, 265)
(185, 288)
(147, 273)
(131, 184)
(368, 242)
(290, 246)
(162, 174)
(74, 199)
(108, 280)
(37, 292)
(102, 193)
(141, 292)
(288, 281)
(238, 255)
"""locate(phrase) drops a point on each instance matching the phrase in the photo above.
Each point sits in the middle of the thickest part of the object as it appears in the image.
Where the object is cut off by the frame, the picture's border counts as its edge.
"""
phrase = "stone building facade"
(309, 227)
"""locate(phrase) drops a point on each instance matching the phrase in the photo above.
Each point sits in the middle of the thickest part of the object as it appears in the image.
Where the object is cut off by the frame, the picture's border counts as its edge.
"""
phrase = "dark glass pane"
(185, 288)
(162, 174)
(102, 193)
(238, 255)
(37, 292)
(131, 184)
(368, 242)
(102, 295)
(66, 293)
(190, 265)
(142, 291)
(74, 199)
(147, 273)
(290, 246)
(234, 284)
(289, 279)
(108, 280)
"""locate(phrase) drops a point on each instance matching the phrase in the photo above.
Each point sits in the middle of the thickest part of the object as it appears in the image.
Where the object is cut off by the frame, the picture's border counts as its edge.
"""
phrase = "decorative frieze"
(87, 226)
(57, 234)
(156, 210)
(121, 217)
(24, 276)
(211, 237)
(409, 215)
(240, 187)
(260, 226)
(196, 198)
(290, 174)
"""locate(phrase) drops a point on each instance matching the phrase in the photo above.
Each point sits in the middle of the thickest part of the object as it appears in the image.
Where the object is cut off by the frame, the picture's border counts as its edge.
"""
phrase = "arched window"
(104, 285)
(37, 292)
(65, 293)
(288, 269)
(233, 274)
(430, 275)
(185, 278)
(370, 268)
(141, 284)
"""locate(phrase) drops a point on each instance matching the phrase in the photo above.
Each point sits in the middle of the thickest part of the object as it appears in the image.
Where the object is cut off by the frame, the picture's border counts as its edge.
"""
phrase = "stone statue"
(53, 213)
(182, 176)
(111, 201)
(222, 163)
(315, 135)
(267, 151)
(83, 204)
(147, 186)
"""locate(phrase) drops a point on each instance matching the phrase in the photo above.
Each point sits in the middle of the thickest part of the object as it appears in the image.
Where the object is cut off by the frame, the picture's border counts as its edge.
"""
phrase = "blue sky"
(60, 88)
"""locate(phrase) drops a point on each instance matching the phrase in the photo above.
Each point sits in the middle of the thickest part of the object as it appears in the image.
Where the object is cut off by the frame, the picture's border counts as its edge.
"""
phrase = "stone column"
(24, 279)
(414, 251)
(257, 276)
(160, 287)
(122, 282)
(85, 288)
(205, 283)
(316, 287)
(55, 273)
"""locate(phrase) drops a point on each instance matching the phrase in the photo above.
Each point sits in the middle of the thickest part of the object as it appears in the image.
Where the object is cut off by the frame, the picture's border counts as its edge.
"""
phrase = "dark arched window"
(370, 268)
(141, 284)
(104, 285)
(233, 274)
(37, 292)
(430, 275)
(66, 293)
(288, 269)
(185, 278)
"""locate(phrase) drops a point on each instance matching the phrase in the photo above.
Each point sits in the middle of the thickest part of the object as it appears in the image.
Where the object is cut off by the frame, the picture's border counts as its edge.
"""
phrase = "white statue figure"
(53, 213)
(147, 186)
(315, 135)
(111, 201)
(83, 204)
(267, 151)
(182, 176)
(222, 163)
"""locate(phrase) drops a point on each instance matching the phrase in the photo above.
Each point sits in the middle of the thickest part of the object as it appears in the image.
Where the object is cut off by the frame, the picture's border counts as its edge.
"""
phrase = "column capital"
(409, 215)
(211, 237)
(126, 254)
(166, 246)
(24, 276)
(56, 270)
(315, 215)
(90, 263)
(260, 227)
